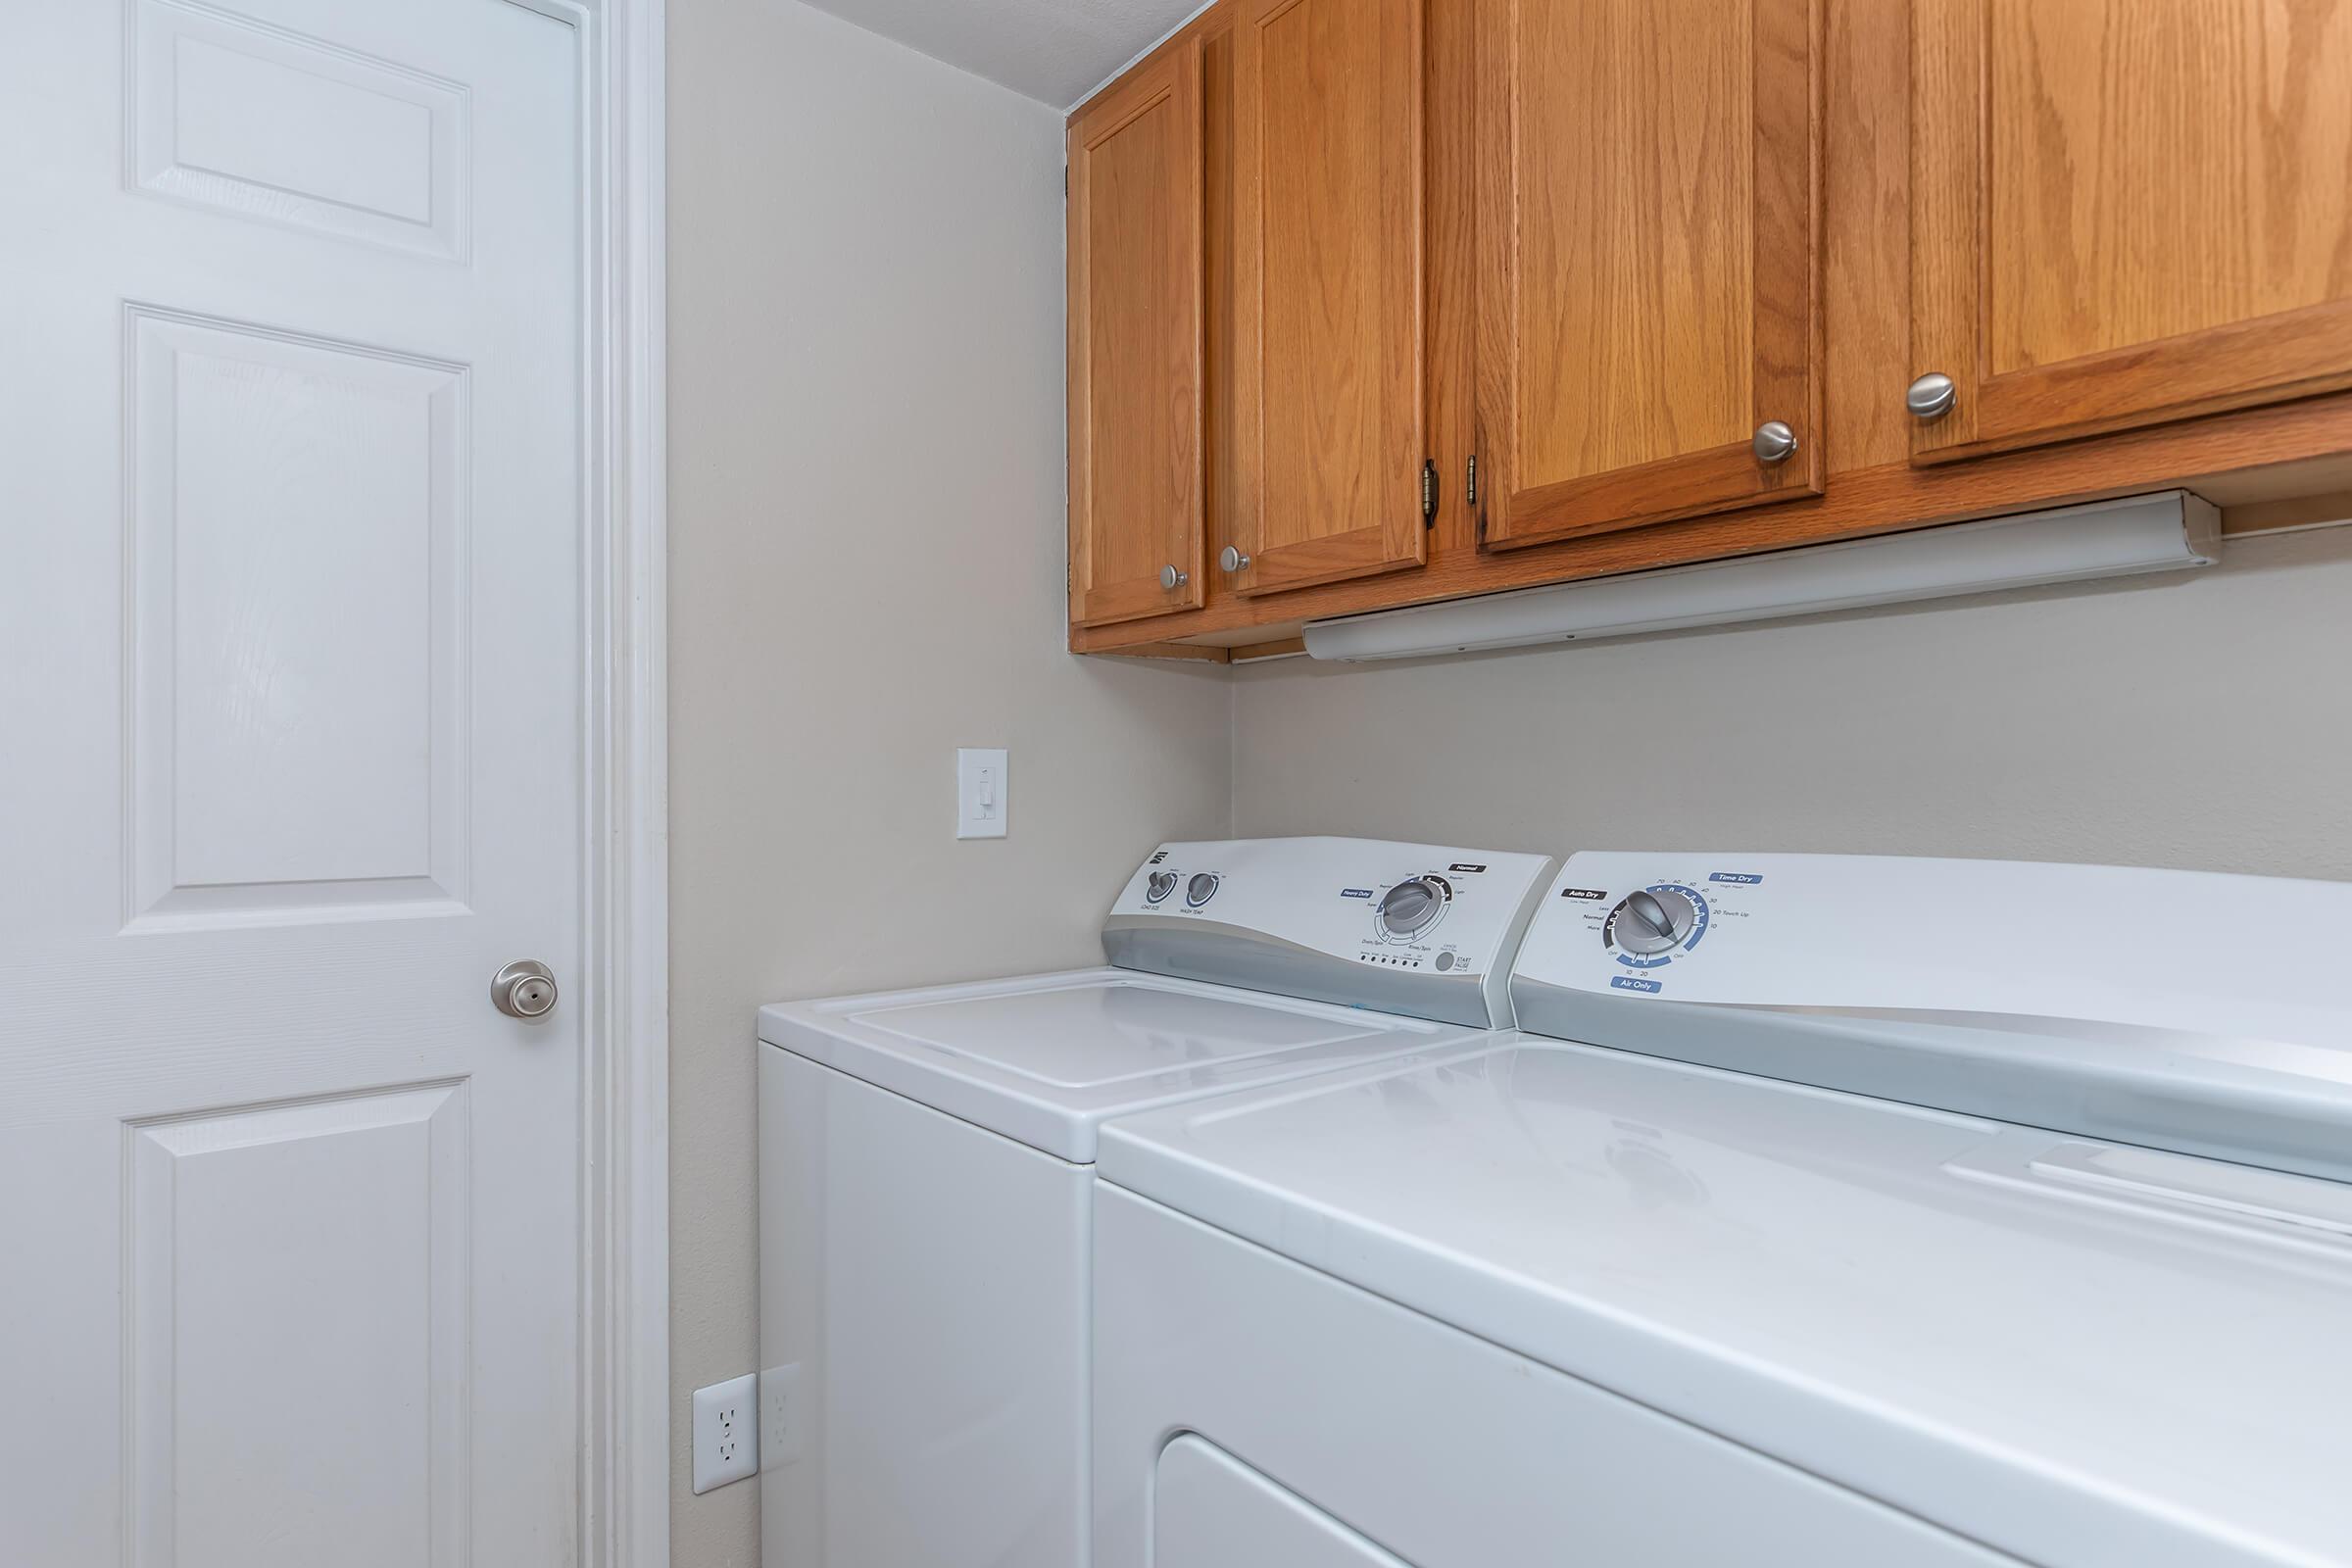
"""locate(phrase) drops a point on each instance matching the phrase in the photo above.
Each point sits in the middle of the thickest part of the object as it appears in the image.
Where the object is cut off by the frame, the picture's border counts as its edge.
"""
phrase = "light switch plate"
(727, 1432)
(982, 794)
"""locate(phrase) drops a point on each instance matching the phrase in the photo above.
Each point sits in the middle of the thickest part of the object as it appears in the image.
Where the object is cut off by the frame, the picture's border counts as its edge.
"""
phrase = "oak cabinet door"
(1328, 390)
(1650, 261)
(1134, 281)
(2125, 212)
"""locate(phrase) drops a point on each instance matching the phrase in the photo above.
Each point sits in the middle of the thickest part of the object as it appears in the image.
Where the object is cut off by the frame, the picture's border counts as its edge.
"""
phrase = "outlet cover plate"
(727, 1432)
(782, 1428)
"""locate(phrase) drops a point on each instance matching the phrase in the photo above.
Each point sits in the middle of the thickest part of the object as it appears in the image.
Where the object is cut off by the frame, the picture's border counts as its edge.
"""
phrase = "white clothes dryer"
(1846, 1212)
(926, 1181)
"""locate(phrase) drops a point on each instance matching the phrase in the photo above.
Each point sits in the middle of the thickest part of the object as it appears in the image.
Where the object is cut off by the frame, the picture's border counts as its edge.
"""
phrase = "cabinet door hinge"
(1470, 497)
(1429, 492)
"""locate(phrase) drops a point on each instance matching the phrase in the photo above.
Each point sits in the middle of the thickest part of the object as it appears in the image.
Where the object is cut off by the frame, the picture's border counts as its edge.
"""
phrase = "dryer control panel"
(1339, 920)
(2116, 1001)
(2105, 943)
(1643, 922)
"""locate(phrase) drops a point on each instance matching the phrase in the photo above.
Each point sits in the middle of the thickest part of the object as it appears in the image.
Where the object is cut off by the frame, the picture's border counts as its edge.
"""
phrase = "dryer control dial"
(1156, 890)
(1413, 906)
(1650, 920)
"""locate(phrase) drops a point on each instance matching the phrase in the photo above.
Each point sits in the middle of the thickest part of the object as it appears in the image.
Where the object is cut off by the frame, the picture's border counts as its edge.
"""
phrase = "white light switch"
(981, 796)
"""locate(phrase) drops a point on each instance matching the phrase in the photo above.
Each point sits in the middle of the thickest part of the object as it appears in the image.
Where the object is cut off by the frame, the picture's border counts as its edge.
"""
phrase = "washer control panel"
(1434, 910)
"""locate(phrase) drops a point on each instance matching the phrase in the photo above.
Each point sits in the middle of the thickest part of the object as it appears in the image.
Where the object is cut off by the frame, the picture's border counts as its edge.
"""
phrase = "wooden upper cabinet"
(1135, 344)
(1328, 436)
(2127, 211)
(1650, 261)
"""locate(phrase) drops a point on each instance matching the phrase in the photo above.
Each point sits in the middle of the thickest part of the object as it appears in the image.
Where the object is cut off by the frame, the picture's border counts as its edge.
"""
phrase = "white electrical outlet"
(981, 792)
(726, 1435)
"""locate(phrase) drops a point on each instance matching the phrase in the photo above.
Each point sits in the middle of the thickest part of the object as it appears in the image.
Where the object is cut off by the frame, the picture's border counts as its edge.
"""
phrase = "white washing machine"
(1892, 1214)
(926, 1185)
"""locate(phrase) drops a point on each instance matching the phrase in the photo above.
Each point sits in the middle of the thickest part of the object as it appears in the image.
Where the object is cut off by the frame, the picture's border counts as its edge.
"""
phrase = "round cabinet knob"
(1201, 889)
(1172, 580)
(525, 988)
(1232, 560)
(1646, 922)
(1412, 907)
(1775, 442)
(1930, 397)
(1163, 884)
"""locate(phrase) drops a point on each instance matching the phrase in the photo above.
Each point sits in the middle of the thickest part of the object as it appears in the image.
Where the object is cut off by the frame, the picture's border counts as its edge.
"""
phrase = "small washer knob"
(1413, 906)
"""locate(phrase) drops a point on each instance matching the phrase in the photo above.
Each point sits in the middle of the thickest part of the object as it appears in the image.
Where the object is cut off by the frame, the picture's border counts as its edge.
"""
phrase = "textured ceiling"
(1050, 50)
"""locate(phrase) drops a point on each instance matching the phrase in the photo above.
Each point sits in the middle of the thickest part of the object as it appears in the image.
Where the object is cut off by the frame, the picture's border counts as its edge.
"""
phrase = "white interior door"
(290, 764)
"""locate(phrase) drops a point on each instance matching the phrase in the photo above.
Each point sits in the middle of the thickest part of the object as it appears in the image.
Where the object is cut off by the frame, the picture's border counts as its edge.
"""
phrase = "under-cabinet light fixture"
(2169, 531)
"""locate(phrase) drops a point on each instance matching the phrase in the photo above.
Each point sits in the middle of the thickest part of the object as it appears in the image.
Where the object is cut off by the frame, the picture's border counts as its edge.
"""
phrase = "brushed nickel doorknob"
(525, 988)
(1172, 579)
(1232, 560)
(1773, 442)
(1930, 397)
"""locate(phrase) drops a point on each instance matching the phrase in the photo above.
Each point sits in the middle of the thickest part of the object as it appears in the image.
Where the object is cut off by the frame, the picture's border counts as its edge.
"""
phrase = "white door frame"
(625, 1170)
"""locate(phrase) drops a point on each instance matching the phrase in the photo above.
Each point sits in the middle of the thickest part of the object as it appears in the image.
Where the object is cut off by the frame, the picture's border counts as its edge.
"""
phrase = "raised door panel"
(289, 1266)
(1649, 260)
(1327, 426)
(1135, 329)
(2127, 211)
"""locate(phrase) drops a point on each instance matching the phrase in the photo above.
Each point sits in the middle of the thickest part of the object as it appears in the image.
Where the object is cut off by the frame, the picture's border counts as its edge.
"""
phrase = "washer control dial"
(1650, 920)
(1413, 906)
(1163, 884)
(1201, 889)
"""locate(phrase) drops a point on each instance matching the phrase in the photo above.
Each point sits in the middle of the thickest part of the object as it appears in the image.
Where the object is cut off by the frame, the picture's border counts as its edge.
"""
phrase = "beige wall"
(866, 571)
(2202, 721)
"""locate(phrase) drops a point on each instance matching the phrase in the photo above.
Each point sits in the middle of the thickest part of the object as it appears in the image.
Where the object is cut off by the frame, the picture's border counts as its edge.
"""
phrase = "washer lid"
(1045, 1059)
(2081, 1352)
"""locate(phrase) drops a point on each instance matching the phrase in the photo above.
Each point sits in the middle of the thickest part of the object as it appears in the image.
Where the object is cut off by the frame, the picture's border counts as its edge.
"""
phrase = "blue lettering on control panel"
(1626, 982)
(1743, 878)
(1355, 893)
